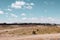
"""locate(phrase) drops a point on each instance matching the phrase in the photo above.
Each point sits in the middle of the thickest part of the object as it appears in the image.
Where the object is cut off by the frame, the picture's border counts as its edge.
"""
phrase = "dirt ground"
(6, 36)
(30, 37)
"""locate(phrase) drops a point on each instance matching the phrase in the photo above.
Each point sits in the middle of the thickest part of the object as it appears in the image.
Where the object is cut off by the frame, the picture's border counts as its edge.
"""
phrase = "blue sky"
(30, 11)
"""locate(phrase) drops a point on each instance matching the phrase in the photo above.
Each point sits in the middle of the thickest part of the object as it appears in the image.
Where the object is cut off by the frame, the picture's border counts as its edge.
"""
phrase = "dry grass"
(25, 32)
(2, 27)
(38, 29)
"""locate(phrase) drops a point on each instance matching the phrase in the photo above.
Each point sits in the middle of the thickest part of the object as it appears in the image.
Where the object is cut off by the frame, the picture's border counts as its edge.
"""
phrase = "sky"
(30, 11)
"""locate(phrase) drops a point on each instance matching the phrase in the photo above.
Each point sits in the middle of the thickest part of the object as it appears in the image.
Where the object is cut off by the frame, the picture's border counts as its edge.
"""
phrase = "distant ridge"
(27, 24)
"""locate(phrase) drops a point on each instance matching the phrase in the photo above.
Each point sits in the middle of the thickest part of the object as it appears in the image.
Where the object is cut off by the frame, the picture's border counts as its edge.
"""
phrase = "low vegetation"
(34, 29)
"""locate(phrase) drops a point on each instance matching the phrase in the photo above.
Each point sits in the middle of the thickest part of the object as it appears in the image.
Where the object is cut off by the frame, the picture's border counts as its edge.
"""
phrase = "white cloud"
(23, 14)
(31, 3)
(29, 7)
(18, 4)
(13, 15)
(1, 12)
(9, 9)
(22, 4)
(39, 20)
(24, 18)
(47, 20)
(36, 20)
(51, 19)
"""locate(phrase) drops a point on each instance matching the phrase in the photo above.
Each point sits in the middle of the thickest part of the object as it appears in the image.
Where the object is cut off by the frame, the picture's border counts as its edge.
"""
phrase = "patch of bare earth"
(30, 37)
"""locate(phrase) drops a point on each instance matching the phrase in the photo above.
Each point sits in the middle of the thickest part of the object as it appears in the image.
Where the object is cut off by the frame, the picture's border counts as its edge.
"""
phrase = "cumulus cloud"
(18, 4)
(22, 4)
(29, 5)
(1, 12)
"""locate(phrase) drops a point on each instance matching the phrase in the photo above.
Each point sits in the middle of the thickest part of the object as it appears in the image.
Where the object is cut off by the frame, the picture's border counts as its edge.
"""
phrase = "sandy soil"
(9, 29)
(28, 37)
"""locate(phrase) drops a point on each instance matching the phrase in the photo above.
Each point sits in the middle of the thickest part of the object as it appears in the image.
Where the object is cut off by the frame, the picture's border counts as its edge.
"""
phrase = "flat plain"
(29, 32)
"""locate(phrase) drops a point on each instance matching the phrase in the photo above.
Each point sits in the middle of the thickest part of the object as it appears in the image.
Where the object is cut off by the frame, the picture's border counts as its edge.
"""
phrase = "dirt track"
(31, 37)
